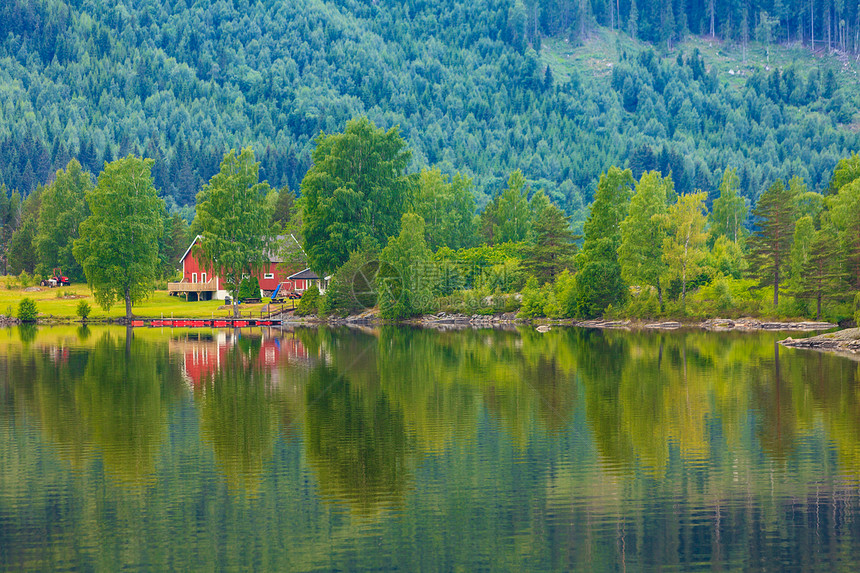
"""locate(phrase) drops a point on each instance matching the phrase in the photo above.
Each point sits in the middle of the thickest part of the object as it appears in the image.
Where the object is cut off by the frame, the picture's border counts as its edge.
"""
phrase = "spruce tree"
(770, 244)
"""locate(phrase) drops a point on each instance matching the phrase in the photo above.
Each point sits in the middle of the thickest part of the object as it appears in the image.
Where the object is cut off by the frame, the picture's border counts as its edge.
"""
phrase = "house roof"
(274, 256)
(305, 274)
(189, 247)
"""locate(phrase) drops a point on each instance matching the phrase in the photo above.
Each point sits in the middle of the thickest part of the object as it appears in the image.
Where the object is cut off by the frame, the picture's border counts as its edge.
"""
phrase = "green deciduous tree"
(641, 250)
(770, 244)
(407, 289)
(845, 213)
(22, 249)
(847, 170)
(684, 243)
(448, 209)
(599, 282)
(309, 302)
(62, 210)
(730, 209)
(235, 220)
(357, 187)
(804, 234)
(512, 215)
(118, 243)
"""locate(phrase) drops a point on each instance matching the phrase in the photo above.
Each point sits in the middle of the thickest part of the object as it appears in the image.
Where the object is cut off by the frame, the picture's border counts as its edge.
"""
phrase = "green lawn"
(63, 302)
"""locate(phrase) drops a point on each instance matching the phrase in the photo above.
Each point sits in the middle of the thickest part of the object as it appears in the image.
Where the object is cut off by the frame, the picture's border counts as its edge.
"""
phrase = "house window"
(269, 276)
(194, 277)
(203, 277)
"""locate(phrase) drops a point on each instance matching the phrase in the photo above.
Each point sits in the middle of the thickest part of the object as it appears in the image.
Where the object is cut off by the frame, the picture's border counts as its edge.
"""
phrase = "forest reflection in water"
(589, 447)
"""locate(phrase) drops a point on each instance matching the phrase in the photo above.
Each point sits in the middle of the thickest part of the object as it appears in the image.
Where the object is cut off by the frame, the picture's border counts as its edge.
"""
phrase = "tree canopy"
(356, 188)
(118, 243)
(235, 220)
(62, 209)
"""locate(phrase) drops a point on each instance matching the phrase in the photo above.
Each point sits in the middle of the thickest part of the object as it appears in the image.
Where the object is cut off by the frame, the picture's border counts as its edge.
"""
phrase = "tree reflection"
(109, 401)
(237, 413)
(356, 442)
(123, 399)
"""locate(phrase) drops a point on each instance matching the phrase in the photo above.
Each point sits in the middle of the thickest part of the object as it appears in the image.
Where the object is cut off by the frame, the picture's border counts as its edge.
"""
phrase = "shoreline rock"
(845, 341)
(9, 321)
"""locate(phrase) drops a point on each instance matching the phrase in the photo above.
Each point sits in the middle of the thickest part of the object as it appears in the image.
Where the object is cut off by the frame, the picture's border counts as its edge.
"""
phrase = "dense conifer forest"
(481, 88)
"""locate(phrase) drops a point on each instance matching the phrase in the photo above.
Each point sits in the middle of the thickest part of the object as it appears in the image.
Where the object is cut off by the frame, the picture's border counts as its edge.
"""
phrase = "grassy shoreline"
(60, 304)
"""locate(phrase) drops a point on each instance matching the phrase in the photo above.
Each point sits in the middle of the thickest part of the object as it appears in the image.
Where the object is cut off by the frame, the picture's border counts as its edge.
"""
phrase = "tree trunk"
(776, 289)
(128, 303)
(812, 22)
(660, 294)
(818, 310)
(712, 10)
(684, 290)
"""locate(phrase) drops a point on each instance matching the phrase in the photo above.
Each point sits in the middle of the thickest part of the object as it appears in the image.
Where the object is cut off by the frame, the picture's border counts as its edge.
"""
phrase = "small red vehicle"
(57, 280)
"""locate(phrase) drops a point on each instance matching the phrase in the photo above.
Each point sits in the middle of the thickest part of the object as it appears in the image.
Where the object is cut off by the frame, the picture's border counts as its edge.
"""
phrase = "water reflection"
(111, 399)
(606, 449)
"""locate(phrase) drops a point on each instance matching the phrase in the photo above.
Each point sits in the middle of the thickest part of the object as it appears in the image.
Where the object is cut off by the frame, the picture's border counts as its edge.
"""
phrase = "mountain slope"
(184, 82)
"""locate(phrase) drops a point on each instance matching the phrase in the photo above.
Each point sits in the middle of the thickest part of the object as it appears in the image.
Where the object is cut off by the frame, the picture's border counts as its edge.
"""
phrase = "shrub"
(532, 302)
(26, 279)
(27, 310)
(352, 287)
(249, 288)
(309, 302)
(857, 310)
(643, 304)
(83, 310)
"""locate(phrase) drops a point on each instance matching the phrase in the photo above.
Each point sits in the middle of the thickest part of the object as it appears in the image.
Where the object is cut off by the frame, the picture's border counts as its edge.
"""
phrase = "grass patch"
(602, 50)
(49, 304)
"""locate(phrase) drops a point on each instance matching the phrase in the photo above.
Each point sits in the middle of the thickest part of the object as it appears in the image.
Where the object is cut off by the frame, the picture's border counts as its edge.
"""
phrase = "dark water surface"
(402, 449)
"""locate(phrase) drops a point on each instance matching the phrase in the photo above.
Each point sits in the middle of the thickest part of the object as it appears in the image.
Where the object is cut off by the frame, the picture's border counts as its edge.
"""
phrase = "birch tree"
(118, 243)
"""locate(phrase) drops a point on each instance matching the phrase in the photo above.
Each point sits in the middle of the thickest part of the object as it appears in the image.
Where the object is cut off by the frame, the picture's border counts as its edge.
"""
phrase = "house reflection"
(204, 353)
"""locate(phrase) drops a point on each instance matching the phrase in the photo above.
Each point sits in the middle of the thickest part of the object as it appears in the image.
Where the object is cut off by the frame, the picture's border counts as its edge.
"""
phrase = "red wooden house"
(198, 283)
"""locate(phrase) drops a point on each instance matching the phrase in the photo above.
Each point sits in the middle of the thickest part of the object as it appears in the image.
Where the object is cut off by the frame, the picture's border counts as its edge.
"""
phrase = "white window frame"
(269, 275)
(203, 278)
(194, 277)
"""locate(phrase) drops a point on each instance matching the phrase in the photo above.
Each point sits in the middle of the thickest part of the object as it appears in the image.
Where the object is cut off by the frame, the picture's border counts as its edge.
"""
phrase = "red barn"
(199, 284)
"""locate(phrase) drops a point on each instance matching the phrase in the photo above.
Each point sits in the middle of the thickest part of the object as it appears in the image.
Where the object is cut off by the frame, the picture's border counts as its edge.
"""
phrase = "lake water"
(391, 448)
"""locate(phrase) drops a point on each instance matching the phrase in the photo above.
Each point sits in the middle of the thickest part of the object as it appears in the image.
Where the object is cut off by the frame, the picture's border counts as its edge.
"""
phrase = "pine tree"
(554, 246)
(823, 276)
(770, 244)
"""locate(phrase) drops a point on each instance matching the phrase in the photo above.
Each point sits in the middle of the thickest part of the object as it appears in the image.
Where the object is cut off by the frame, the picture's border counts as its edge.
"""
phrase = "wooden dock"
(205, 322)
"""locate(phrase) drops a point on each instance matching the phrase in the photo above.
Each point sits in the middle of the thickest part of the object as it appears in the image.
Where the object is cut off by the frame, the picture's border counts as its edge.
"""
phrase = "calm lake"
(392, 448)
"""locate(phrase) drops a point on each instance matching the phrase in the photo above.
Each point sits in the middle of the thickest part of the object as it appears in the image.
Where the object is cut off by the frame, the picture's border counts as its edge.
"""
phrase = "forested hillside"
(476, 86)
